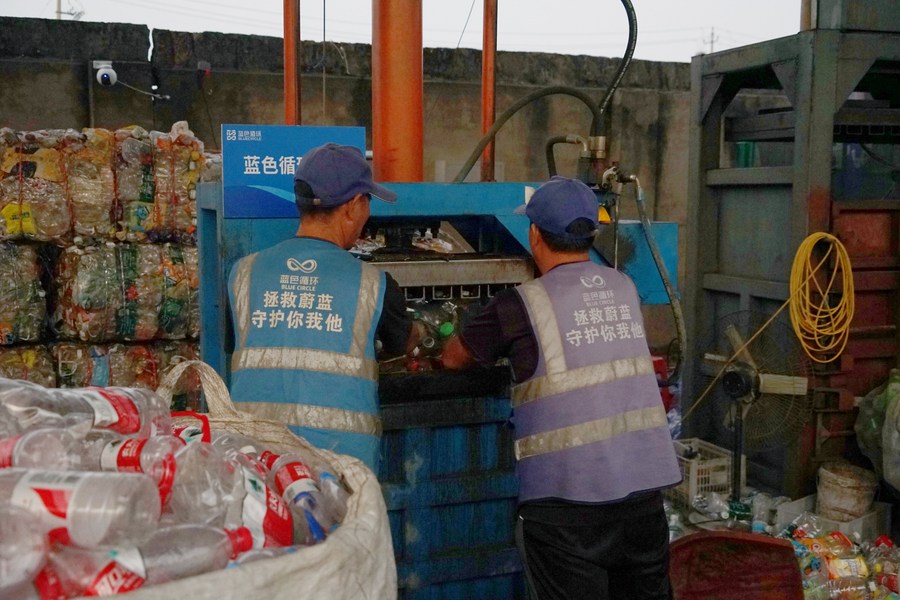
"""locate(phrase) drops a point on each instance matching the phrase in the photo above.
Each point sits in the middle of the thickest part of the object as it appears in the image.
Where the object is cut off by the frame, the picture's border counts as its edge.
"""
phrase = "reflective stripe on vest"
(580, 378)
(307, 359)
(590, 432)
(317, 417)
(560, 380)
(354, 363)
(242, 297)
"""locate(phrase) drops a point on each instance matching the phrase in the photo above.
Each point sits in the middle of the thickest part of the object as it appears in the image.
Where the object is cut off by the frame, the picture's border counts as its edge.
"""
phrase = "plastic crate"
(868, 527)
(708, 471)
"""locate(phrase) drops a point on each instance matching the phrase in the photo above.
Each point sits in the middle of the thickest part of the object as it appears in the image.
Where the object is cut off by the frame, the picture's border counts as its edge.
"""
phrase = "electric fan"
(758, 373)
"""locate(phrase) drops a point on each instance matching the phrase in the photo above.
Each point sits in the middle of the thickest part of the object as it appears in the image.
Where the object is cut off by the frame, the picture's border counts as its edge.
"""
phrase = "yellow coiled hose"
(821, 325)
(821, 328)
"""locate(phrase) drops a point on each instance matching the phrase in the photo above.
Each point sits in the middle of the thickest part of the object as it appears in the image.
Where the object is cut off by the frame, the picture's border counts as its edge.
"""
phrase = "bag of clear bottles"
(100, 494)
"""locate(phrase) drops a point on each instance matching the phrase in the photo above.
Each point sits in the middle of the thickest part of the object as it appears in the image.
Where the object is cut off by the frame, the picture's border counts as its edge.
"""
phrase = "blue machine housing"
(448, 473)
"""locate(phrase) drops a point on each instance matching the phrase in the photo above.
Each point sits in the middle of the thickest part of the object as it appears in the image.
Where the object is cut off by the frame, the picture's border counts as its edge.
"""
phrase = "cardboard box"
(865, 528)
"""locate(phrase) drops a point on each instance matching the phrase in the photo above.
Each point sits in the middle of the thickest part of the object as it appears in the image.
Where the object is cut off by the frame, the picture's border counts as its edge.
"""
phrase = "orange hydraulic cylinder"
(488, 85)
(291, 62)
(397, 89)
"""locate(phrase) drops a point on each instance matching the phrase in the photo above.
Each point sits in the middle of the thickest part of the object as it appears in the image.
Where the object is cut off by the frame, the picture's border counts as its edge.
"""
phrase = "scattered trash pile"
(100, 494)
(840, 536)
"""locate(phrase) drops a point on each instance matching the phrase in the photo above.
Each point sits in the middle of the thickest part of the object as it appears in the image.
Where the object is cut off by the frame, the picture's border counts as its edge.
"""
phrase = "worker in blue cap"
(306, 314)
(592, 442)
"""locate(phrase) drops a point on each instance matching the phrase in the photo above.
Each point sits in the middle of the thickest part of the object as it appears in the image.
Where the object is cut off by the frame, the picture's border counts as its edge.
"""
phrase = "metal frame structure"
(745, 222)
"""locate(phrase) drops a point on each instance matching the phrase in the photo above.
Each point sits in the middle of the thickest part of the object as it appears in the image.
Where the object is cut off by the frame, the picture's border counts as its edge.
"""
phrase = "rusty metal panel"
(745, 223)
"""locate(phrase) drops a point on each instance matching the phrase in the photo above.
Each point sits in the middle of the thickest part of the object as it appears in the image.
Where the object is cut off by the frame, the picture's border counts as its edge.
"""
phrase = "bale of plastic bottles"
(127, 292)
(90, 182)
(32, 363)
(33, 202)
(62, 186)
(23, 309)
(101, 493)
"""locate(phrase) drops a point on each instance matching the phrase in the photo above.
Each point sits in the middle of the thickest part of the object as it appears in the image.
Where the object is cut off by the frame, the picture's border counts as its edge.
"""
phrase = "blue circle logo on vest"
(307, 266)
(593, 282)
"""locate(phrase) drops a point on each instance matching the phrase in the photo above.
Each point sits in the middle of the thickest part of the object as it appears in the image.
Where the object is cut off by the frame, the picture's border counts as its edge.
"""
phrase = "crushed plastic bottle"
(88, 509)
(850, 588)
(23, 549)
(336, 495)
(171, 554)
(235, 442)
(262, 554)
(205, 485)
(293, 479)
(129, 411)
(50, 448)
(155, 456)
(228, 490)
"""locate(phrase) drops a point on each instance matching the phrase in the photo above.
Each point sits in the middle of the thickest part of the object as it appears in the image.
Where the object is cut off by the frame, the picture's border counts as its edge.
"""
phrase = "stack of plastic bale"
(90, 183)
(111, 215)
(33, 204)
(134, 182)
(33, 208)
(177, 160)
(127, 365)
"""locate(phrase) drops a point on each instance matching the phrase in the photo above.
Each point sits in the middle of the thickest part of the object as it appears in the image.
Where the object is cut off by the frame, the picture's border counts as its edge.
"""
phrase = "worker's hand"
(416, 333)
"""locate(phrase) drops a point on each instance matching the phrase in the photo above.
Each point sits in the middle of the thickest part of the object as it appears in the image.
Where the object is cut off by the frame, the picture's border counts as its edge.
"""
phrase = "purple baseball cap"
(559, 203)
(333, 175)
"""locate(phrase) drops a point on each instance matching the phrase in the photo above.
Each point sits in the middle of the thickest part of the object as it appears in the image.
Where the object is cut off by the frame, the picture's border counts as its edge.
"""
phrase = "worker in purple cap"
(306, 314)
(592, 442)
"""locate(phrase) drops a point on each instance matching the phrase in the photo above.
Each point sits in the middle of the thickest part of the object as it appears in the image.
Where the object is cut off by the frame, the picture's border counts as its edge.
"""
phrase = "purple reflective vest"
(590, 424)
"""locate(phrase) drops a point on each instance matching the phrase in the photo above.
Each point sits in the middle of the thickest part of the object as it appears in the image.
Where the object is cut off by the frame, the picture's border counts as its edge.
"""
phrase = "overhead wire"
(461, 34)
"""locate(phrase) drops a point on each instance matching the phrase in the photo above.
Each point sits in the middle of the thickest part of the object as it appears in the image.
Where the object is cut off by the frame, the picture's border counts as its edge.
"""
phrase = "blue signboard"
(259, 162)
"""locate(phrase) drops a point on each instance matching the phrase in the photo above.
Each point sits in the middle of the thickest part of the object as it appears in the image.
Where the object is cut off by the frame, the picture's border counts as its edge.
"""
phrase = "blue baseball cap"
(330, 175)
(559, 203)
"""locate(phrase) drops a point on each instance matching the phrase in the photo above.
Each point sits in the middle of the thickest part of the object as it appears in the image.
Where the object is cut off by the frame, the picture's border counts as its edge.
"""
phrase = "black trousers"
(613, 551)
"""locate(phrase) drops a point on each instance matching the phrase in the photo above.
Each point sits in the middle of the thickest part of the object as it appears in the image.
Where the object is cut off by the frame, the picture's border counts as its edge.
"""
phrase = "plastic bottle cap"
(241, 540)
(446, 329)
(268, 458)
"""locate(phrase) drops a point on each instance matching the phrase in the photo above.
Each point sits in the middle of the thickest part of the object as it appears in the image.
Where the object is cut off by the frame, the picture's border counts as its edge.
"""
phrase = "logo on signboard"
(307, 266)
(593, 282)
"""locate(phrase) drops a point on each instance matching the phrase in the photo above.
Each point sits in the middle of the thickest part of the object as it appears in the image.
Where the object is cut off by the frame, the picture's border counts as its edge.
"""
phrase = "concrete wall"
(48, 82)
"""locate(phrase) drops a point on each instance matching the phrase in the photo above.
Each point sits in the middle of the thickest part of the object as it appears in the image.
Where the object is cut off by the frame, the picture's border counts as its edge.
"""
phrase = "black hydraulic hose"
(674, 302)
(509, 112)
(597, 124)
(597, 111)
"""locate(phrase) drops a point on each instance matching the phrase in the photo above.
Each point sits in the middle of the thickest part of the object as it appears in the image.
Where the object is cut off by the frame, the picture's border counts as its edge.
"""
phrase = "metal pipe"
(806, 15)
(292, 60)
(488, 85)
(563, 139)
(671, 292)
(397, 89)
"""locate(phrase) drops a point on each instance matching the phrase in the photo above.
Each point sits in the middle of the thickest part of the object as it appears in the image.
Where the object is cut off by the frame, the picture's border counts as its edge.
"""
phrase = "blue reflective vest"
(305, 313)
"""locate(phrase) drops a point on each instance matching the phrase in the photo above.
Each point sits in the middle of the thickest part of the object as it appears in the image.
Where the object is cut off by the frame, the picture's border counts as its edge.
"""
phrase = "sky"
(668, 30)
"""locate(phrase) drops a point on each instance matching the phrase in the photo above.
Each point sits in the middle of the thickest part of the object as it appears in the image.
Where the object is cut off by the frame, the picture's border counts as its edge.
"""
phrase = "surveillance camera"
(106, 76)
